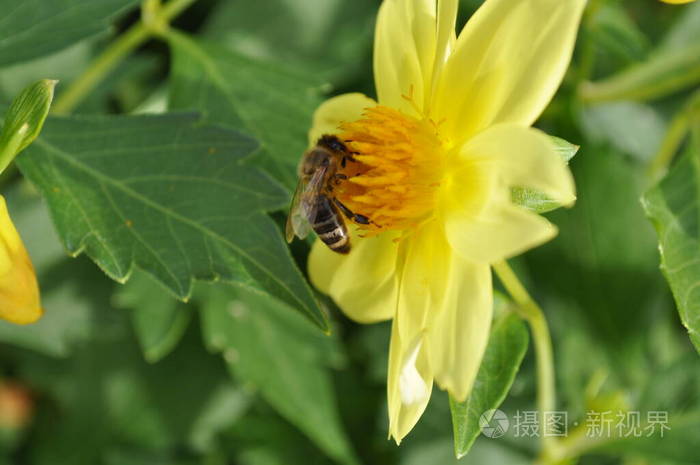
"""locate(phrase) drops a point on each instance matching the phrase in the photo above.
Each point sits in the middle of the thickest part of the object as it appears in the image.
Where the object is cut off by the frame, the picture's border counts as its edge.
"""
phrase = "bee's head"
(332, 143)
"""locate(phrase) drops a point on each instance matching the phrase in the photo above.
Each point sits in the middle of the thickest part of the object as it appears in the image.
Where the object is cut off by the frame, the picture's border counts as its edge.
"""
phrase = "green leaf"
(534, 200)
(266, 100)
(169, 195)
(613, 30)
(32, 28)
(24, 119)
(684, 32)
(280, 354)
(566, 150)
(107, 396)
(673, 206)
(224, 407)
(631, 127)
(248, 441)
(504, 353)
(159, 320)
(256, 30)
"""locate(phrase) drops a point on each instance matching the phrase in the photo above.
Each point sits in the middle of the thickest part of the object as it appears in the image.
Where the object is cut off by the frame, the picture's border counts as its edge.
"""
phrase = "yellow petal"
(481, 223)
(363, 283)
(501, 232)
(460, 326)
(446, 36)
(447, 301)
(507, 64)
(525, 157)
(677, 2)
(404, 52)
(424, 260)
(336, 110)
(19, 291)
(409, 382)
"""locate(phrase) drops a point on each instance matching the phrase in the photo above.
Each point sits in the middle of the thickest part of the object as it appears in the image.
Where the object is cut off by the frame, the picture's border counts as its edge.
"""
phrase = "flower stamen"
(398, 168)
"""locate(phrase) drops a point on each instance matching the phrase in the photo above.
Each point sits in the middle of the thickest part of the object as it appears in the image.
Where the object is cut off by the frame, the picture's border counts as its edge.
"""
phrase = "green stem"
(154, 22)
(657, 77)
(669, 146)
(573, 446)
(587, 61)
(532, 313)
(677, 130)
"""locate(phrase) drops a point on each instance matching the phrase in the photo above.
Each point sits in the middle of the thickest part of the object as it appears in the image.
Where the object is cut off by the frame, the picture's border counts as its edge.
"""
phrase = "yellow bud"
(19, 290)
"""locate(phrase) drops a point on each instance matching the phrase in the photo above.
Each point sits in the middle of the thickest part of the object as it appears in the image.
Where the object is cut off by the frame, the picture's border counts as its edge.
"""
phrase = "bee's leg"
(348, 157)
(356, 217)
(348, 154)
(337, 177)
(362, 219)
(346, 211)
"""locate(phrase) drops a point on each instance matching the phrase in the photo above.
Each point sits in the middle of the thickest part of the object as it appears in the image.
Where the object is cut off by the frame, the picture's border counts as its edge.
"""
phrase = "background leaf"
(107, 399)
(634, 128)
(159, 320)
(149, 191)
(282, 31)
(281, 355)
(615, 32)
(26, 25)
(684, 32)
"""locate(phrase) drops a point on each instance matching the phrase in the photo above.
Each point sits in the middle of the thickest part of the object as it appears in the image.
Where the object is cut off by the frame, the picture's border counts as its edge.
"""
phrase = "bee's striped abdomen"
(329, 226)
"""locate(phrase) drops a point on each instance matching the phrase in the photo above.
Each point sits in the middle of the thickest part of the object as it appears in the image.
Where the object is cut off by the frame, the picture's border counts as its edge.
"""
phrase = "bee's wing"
(296, 223)
(304, 205)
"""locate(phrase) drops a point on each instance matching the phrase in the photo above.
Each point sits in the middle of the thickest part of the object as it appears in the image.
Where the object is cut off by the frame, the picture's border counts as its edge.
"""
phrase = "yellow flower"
(677, 2)
(436, 158)
(19, 291)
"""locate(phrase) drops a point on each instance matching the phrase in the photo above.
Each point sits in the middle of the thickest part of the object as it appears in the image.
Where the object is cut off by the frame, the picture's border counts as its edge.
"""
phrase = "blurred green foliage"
(128, 374)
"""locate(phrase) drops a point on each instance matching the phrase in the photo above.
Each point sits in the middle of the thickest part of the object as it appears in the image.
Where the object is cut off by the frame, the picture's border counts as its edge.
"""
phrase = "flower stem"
(154, 21)
(673, 139)
(587, 61)
(532, 313)
(665, 74)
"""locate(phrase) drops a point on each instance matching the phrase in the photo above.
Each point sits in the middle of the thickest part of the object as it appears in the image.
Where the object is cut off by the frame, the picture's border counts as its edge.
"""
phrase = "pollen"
(395, 171)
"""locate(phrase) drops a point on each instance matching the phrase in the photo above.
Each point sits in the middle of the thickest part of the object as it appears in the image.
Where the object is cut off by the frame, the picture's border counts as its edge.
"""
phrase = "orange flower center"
(397, 170)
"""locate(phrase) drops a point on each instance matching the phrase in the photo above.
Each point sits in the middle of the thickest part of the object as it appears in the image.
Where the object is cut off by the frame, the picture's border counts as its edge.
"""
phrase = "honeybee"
(314, 206)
